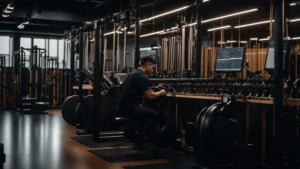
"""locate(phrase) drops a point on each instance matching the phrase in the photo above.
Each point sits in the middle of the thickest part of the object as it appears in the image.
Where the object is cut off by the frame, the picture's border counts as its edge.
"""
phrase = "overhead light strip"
(168, 13)
(10, 7)
(230, 15)
(150, 34)
(164, 14)
(295, 20)
(265, 39)
(8, 11)
(222, 17)
(253, 24)
(219, 28)
(205, 21)
(296, 38)
(293, 4)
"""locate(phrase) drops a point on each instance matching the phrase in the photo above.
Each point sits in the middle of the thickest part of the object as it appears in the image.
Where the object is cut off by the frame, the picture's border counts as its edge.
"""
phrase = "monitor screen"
(270, 61)
(230, 60)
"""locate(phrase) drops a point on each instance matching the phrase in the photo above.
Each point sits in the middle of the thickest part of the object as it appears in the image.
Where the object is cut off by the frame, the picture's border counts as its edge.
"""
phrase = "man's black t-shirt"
(133, 88)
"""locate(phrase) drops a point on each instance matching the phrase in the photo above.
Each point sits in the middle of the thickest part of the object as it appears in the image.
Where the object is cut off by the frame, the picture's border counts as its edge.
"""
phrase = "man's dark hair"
(147, 59)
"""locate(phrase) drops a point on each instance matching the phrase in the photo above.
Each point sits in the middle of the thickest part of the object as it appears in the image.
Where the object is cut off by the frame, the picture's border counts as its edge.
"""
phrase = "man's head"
(147, 64)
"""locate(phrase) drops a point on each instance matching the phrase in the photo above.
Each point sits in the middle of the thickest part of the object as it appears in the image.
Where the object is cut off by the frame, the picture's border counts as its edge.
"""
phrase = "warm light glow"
(293, 4)
(164, 14)
(150, 34)
(265, 39)
(168, 13)
(5, 16)
(219, 28)
(230, 15)
(25, 23)
(109, 33)
(253, 39)
(191, 24)
(296, 38)
(156, 47)
(21, 26)
(253, 24)
(222, 17)
(7, 11)
(10, 7)
(295, 20)
(231, 41)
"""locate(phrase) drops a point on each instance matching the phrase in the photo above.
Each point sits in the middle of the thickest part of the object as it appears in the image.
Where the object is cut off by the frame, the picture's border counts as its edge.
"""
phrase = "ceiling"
(55, 16)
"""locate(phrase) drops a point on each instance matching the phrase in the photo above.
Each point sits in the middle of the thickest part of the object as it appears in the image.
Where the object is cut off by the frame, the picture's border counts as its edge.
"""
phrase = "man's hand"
(163, 92)
(154, 95)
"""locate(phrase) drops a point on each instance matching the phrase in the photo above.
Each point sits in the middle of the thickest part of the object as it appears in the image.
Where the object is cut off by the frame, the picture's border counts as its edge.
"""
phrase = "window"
(52, 48)
(5, 48)
(61, 54)
(40, 43)
(26, 43)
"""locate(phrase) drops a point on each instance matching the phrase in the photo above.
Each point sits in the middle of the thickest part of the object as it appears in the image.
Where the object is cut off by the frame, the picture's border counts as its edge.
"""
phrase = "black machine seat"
(122, 120)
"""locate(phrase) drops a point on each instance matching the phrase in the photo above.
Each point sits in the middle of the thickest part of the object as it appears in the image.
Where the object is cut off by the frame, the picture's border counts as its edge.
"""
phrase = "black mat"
(89, 142)
(126, 155)
(159, 166)
(178, 160)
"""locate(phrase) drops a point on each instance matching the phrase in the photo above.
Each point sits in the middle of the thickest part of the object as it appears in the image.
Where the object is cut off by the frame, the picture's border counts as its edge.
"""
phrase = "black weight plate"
(108, 109)
(191, 131)
(205, 133)
(68, 110)
(85, 111)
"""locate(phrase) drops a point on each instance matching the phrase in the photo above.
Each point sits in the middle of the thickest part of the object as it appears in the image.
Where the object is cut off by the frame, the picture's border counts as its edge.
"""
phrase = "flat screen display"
(230, 60)
(270, 61)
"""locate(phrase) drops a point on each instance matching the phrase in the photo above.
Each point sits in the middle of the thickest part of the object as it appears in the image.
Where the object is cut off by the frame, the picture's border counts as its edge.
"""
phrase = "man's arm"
(143, 84)
(150, 95)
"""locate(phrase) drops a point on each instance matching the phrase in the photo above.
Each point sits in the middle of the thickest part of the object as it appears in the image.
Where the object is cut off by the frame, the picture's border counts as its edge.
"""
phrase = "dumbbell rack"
(242, 99)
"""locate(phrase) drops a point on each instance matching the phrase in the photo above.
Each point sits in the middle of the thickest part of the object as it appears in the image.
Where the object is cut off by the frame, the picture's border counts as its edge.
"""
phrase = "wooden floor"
(44, 142)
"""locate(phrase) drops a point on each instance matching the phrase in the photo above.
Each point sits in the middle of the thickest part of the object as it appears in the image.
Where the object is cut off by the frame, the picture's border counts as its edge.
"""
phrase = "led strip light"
(230, 15)
(191, 24)
(252, 24)
(219, 28)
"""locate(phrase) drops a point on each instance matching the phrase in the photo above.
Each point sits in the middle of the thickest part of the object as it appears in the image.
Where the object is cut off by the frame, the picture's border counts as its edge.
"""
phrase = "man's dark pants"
(146, 116)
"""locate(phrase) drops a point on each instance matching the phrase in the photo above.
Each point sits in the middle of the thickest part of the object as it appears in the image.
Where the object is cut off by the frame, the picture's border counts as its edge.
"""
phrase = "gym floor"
(39, 141)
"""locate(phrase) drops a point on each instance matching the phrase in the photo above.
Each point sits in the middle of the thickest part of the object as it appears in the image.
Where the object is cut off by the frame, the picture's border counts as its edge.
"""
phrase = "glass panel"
(26, 43)
(61, 48)
(40, 43)
(4, 47)
(53, 48)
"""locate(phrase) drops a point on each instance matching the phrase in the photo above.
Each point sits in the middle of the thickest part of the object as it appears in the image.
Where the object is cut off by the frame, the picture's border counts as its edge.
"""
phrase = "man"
(136, 86)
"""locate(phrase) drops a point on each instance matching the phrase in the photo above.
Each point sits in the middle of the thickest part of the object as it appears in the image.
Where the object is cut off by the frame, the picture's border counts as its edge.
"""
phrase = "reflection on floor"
(45, 142)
